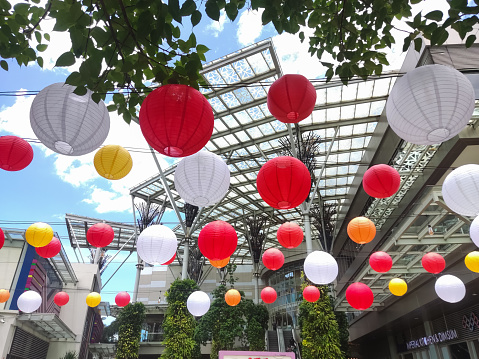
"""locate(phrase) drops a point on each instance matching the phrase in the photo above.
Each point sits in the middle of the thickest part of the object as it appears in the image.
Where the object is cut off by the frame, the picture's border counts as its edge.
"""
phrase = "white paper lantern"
(430, 104)
(460, 190)
(29, 301)
(67, 123)
(202, 179)
(198, 303)
(320, 267)
(474, 231)
(156, 244)
(450, 288)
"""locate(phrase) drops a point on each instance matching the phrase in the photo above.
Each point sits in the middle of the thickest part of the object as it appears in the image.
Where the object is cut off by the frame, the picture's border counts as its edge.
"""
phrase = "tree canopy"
(127, 47)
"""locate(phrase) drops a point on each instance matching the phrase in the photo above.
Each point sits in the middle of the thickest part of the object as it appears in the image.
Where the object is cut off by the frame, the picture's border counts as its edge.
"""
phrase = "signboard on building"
(226, 354)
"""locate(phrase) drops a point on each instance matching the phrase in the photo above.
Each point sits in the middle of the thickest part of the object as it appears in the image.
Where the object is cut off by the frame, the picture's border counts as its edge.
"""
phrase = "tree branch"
(28, 32)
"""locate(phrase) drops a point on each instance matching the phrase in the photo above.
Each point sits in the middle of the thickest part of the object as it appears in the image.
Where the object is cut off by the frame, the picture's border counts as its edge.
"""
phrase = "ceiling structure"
(351, 122)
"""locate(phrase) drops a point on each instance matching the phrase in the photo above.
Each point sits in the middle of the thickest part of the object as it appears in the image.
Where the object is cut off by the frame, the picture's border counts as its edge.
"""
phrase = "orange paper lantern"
(4, 295)
(361, 230)
(232, 297)
(221, 263)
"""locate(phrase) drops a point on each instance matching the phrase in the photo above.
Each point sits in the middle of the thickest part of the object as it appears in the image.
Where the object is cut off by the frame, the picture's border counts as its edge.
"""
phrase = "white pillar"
(256, 287)
(186, 255)
(307, 233)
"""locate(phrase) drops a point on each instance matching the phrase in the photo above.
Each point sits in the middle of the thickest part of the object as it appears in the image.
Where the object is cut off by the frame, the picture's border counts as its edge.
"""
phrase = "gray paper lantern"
(430, 104)
(202, 179)
(67, 123)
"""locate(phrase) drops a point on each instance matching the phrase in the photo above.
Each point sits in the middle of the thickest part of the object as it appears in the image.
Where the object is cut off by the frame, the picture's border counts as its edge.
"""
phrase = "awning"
(48, 324)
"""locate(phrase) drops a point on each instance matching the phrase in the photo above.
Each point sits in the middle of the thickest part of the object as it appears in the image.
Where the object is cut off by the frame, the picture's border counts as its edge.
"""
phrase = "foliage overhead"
(130, 322)
(110, 333)
(179, 325)
(135, 45)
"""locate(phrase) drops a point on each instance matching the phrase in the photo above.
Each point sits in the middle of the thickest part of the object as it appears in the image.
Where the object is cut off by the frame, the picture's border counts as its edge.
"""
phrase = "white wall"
(9, 257)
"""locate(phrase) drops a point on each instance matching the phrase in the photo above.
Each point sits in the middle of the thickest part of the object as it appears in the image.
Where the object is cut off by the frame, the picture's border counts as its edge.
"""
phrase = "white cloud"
(105, 195)
(249, 27)
(214, 28)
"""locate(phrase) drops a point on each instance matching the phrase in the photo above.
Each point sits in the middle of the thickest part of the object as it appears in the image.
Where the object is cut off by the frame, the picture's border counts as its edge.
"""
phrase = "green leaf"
(47, 37)
(96, 97)
(195, 18)
(41, 47)
(231, 11)
(66, 59)
(188, 8)
(38, 36)
(314, 19)
(470, 40)
(417, 44)
(212, 10)
(435, 15)
(4, 65)
(174, 8)
(80, 91)
(201, 49)
(40, 61)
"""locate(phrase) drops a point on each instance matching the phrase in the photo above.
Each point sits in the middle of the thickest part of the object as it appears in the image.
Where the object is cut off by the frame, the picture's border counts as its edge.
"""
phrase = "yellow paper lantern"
(93, 299)
(221, 263)
(4, 295)
(472, 261)
(232, 297)
(39, 234)
(113, 162)
(398, 287)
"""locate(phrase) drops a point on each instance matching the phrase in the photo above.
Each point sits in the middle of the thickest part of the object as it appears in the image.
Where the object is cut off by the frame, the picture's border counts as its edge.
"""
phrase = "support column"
(392, 347)
(307, 232)
(433, 349)
(139, 268)
(186, 255)
(256, 287)
(96, 258)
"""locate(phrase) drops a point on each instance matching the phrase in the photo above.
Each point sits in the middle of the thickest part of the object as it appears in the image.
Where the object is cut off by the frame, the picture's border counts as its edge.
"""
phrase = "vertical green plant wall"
(179, 325)
(130, 322)
(319, 329)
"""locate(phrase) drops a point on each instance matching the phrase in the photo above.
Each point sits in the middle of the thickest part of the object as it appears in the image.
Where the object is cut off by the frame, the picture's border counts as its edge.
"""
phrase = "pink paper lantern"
(51, 249)
(268, 295)
(311, 293)
(273, 259)
(100, 235)
(61, 299)
(122, 299)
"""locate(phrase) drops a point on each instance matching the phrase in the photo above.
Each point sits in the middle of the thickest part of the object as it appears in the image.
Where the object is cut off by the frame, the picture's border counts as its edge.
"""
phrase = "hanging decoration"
(67, 123)
(380, 262)
(290, 235)
(320, 267)
(311, 293)
(61, 299)
(100, 235)
(221, 263)
(472, 261)
(430, 104)
(474, 231)
(156, 244)
(93, 299)
(232, 297)
(433, 262)
(273, 259)
(398, 287)
(430, 230)
(4, 295)
(2, 238)
(122, 299)
(29, 301)
(381, 181)
(198, 303)
(359, 296)
(170, 261)
(112, 162)
(291, 98)
(217, 240)
(176, 120)
(450, 288)
(268, 295)
(361, 230)
(15, 153)
(459, 190)
(283, 182)
(202, 179)
(39, 234)
(51, 249)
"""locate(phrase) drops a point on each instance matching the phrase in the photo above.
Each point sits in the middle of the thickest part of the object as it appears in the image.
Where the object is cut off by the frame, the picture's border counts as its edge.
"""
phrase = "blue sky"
(54, 185)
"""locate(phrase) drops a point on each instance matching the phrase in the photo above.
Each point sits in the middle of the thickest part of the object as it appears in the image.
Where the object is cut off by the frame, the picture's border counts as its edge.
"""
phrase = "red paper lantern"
(290, 235)
(122, 299)
(61, 299)
(381, 262)
(273, 259)
(433, 262)
(15, 153)
(176, 120)
(2, 238)
(51, 249)
(381, 181)
(291, 98)
(283, 182)
(170, 261)
(100, 235)
(311, 293)
(217, 240)
(359, 296)
(268, 295)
